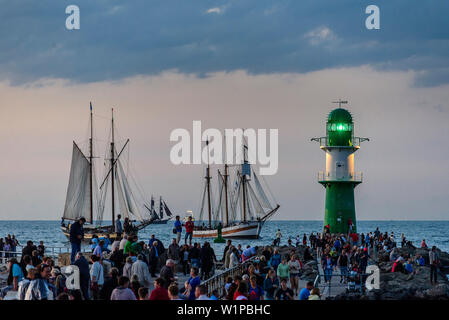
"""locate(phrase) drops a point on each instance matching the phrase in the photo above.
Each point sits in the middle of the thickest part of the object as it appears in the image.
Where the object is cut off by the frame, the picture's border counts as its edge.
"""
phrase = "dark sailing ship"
(84, 198)
(159, 218)
(242, 205)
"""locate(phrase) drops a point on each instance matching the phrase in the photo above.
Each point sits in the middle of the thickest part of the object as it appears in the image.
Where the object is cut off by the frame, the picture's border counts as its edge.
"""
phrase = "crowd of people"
(129, 268)
(350, 255)
(8, 246)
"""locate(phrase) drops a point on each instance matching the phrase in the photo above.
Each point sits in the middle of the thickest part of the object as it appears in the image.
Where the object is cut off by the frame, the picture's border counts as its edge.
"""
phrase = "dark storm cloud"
(119, 39)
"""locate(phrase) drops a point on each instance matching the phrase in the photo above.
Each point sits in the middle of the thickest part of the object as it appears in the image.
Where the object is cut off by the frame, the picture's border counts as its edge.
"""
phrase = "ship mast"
(112, 169)
(208, 178)
(91, 151)
(226, 193)
(244, 186)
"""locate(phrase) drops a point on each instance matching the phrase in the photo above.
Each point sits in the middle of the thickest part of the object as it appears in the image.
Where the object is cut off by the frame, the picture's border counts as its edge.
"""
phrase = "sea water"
(435, 232)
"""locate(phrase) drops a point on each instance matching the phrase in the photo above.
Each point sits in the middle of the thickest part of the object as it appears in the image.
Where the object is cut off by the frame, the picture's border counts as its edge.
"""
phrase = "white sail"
(262, 196)
(78, 192)
(128, 202)
(203, 200)
(255, 201)
(102, 202)
(220, 213)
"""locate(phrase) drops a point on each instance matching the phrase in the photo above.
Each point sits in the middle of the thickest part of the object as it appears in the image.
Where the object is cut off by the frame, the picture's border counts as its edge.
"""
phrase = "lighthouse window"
(339, 127)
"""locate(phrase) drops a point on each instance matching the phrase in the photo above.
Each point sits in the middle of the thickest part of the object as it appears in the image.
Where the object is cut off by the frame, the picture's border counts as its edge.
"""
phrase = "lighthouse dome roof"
(340, 115)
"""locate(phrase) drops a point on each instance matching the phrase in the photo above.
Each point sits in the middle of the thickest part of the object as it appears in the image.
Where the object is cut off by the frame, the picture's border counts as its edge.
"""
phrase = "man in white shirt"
(116, 244)
(201, 293)
(123, 242)
(140, 269)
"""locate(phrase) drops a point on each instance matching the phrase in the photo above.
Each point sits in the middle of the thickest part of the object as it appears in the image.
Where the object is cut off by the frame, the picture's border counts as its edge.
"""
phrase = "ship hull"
(248, 230)
(160, 222)
(103, 232)
(89, 233)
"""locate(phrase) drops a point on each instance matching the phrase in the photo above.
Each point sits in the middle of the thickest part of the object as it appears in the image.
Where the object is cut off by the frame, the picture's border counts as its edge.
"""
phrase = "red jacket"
(159, 294)
(189, 226)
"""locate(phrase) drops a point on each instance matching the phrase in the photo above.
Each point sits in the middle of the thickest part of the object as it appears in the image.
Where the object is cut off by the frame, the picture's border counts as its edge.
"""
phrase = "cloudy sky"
(231, 64)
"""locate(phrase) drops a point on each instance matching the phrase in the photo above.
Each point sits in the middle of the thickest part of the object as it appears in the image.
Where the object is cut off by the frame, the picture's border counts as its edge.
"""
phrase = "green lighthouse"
(340, 179)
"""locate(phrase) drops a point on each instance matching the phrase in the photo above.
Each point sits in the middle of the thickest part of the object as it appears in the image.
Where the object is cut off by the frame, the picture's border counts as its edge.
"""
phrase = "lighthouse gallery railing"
(350, 177)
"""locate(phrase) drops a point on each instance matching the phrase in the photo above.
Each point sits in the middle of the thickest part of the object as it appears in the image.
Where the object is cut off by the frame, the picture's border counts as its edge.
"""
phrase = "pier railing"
(218, 282)
(52, 252)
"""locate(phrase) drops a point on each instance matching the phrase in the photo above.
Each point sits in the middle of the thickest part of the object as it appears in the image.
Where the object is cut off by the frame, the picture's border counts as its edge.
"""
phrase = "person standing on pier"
(83, 266)
(433, 260)
(278, 238)
(174, 252)
(192, 283)
(178, 229)
(76, 236)
(190, 225)
(118, 225)
(154, 258)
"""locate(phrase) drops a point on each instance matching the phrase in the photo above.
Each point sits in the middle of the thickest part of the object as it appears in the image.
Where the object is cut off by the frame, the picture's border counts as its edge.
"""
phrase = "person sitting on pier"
(424, 244)
(249, 253)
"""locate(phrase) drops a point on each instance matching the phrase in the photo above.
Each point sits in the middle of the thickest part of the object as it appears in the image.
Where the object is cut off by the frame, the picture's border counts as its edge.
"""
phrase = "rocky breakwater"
(402, 286)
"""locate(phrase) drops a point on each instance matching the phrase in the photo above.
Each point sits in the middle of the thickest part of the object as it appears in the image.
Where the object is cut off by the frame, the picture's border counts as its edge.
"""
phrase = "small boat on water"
(159, 218)
(84, 197)
(242, 205)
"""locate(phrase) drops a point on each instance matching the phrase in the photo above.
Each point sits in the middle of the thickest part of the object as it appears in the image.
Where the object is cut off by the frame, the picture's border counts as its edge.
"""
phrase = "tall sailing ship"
(163, 208)
(84, 197)
(242, 205)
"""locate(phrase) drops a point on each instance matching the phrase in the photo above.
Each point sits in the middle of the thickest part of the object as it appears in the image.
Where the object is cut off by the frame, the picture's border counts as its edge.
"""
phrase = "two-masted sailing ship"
(84, 197)
(163, 208)
(242, 205)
